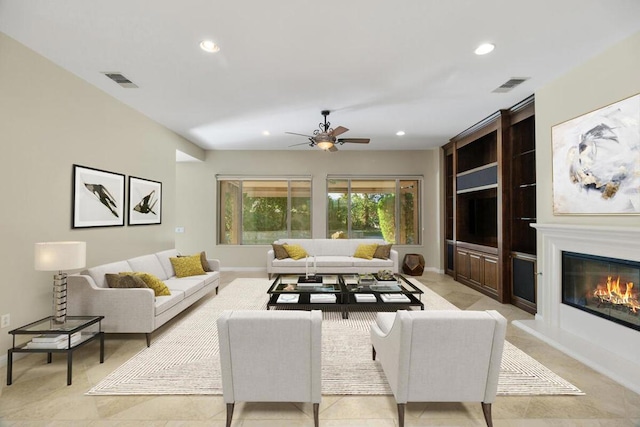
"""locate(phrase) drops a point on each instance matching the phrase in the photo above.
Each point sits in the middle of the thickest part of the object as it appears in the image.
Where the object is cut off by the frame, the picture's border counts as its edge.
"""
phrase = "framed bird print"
(98, 198)
(145, 201)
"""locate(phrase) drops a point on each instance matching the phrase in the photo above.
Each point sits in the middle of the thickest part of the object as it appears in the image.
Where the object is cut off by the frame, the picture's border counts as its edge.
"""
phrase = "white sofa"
(331, 256)
(137, 310)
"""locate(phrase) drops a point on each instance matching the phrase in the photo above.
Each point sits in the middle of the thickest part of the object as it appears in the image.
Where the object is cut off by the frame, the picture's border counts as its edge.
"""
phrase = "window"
(259, 211)
(385, 208)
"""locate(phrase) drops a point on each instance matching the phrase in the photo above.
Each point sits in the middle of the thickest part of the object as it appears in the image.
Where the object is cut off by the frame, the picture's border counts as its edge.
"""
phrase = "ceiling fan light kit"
(325, 136)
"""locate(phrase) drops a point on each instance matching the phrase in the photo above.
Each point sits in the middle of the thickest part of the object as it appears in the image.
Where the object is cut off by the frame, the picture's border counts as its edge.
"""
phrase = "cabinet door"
(462, 264)
(523, 282)
(490, 272)
(475, 268)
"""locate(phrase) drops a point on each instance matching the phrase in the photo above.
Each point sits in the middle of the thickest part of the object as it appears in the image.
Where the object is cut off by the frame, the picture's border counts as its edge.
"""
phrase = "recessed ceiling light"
(400, 133)
(484, 48)
(209, 46)
(266, 133)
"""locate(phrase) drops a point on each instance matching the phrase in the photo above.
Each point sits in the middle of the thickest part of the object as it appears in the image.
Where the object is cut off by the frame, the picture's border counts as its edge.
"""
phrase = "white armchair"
(270, 356)
(440, 356)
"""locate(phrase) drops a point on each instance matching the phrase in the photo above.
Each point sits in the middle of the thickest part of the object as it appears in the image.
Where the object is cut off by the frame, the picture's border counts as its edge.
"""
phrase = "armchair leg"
(229, 413)
(401, 414)
(316, 409)
(148, 336)
(486, 410)
(373, 352)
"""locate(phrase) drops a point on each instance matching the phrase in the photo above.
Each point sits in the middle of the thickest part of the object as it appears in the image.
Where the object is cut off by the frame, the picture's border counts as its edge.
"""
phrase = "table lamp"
(58, 256)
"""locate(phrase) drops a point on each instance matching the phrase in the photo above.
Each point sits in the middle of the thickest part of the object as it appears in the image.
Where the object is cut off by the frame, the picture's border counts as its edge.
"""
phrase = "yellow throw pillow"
(366, 251)
(295, 251)
(186, 266)
(158, 286)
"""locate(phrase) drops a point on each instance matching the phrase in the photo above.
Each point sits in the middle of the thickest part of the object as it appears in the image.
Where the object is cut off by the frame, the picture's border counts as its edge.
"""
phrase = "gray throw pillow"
(204, 262)
(128, 281)
(279, 251)
(383, 252)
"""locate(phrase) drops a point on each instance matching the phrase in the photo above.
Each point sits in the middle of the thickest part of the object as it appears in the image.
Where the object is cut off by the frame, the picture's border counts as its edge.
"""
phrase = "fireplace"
(602, 286)
(582, 299)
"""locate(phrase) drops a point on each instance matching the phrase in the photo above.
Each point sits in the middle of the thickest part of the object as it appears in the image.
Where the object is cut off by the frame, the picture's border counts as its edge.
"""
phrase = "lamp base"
(60, 297)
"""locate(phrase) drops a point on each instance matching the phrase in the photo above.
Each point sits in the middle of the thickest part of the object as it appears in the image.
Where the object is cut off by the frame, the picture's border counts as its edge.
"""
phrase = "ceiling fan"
(325, 136)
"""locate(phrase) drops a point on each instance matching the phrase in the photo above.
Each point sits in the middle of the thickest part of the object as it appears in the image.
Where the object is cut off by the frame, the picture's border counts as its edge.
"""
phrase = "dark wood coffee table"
(344, 291)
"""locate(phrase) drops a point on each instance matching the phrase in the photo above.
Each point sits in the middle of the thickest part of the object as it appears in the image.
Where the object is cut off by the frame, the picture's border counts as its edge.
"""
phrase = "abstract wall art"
(145, 201)
(98, 198)
(596, 161)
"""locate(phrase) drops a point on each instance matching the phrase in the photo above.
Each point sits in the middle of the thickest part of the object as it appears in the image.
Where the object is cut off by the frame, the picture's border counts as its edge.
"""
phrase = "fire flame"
(618, 295)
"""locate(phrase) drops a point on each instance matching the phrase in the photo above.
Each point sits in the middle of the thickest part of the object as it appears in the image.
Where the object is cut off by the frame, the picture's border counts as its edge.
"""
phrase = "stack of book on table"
(54, 341)
(322, 298)
(394, 298)
(309, 281)
(288, 298)
(365, 298)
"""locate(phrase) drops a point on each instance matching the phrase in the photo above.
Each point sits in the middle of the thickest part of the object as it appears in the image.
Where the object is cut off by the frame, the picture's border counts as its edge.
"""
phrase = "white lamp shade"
(58, 256)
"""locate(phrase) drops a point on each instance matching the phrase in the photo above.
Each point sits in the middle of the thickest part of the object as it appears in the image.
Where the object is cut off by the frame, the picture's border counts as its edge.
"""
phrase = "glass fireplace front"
(605, 287)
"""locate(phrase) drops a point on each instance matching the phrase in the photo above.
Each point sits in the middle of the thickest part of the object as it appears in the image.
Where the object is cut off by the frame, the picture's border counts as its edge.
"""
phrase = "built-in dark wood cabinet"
(489, 192)
(449, 192)
(522, 207)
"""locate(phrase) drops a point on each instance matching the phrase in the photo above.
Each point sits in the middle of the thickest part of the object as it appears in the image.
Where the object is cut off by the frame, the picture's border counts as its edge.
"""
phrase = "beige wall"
(197, 191)
(49, 120)
(606, 78)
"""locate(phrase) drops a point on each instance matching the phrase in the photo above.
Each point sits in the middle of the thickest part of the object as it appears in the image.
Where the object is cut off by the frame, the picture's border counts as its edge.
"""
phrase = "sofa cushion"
(187, 285)
(383, 252)
(98, 273)
(164, 303)
(373, 264)
(365, 251)
(128, 281)
(334, 261)
(148, 264)
(279, 251)
(296, 251)
(211, 277)
(186, 266)
(289, 262)
(153, 282)
(163, 257)
(332, 247)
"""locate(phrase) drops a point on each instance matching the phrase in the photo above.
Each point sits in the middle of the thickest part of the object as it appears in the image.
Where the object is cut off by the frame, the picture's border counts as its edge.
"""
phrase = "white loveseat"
(331, 256)
(137, 310)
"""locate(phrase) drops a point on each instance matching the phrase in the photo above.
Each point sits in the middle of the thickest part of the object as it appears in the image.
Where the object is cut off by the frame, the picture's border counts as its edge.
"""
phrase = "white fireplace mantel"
(605, 346)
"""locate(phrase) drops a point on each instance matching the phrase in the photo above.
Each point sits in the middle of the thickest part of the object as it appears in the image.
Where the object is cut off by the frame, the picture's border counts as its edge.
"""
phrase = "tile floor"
(39, 395)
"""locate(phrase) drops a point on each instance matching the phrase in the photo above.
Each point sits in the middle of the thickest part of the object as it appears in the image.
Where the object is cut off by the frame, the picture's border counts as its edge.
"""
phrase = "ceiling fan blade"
(302, 143)
(339, 131)
(354, 140)
(333, 148)
(299, 134)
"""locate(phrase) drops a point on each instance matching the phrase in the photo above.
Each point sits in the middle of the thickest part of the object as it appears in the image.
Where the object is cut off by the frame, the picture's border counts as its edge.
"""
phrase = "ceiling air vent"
(510, 84)
(120, 79)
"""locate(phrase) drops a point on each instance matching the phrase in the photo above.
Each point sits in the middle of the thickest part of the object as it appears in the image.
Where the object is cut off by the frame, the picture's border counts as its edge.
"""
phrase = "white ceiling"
(379, 66)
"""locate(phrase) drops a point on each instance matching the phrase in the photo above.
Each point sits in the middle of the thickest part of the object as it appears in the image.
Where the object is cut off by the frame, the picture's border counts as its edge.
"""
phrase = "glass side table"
(51, 337)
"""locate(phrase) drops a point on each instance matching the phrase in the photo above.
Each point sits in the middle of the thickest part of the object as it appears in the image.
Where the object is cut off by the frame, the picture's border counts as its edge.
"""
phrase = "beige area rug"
(184, 358)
